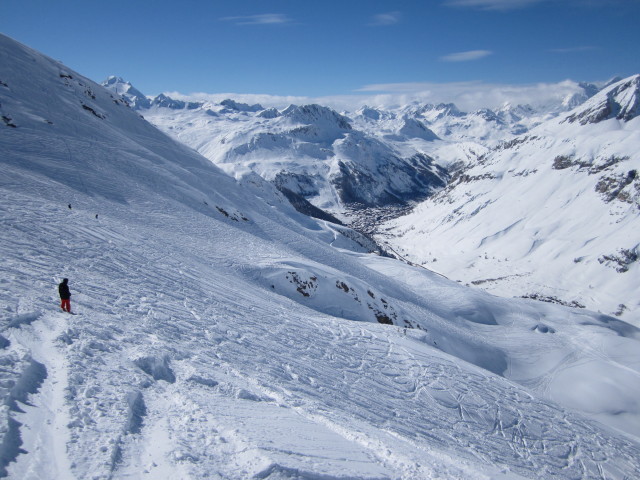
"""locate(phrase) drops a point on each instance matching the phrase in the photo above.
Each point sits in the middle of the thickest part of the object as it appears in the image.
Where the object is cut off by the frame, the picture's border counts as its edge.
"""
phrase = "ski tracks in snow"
(190, 371)
(44, 424)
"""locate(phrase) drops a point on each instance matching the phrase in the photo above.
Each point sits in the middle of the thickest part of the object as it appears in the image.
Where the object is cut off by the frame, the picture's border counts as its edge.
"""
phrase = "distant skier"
(65, 295)
(69, 206)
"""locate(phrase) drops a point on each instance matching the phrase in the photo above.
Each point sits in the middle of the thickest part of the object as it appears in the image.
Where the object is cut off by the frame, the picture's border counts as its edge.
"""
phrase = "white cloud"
(492, 4)
(278, 101)
(466, 56)
(468, 96)
(264, 19)
(382, 19)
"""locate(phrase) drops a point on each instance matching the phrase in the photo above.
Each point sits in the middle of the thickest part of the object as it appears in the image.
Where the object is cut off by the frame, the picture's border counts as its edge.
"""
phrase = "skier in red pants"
(65, 295)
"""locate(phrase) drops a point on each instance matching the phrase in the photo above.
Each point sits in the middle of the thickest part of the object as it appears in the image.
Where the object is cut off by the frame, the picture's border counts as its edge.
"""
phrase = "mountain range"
(219, 333)
(572, 164)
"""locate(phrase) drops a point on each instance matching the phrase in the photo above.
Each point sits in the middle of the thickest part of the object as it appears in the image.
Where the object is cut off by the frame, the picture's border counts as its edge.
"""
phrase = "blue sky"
(329, 48)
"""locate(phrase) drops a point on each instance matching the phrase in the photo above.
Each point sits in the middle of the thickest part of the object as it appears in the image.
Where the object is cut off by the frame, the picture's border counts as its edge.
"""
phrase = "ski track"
(333, 379)
(44, 424)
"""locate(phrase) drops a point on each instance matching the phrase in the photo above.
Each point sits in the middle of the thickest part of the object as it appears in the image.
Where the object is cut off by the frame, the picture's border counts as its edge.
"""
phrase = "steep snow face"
(220, 334)
(552, 215)
(363, 162)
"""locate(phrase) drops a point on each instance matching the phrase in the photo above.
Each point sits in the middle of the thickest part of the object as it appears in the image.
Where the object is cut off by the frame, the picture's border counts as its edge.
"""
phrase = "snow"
(304, 146)
(195, 353)
(311, 149)
(552, 213)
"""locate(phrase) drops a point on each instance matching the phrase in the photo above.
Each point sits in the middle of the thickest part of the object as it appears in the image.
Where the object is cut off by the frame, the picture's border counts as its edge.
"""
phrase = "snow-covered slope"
(220, 334)
(551, 214)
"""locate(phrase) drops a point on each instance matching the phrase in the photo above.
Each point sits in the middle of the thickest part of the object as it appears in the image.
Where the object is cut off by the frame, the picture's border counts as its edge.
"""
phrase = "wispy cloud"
(263, 19)
(466, 56)
(584, 48)
(468, 96)
(492, 4)
(383, 19)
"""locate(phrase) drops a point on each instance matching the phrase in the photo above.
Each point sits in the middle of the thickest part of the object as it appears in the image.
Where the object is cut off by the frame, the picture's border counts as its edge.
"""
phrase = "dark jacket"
(63, 288)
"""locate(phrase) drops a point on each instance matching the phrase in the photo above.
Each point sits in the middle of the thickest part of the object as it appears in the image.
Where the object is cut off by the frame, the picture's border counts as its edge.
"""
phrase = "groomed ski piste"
(219, 334)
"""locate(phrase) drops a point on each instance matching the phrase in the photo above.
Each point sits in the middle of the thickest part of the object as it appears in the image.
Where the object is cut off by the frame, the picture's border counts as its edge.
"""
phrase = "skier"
(65, 295)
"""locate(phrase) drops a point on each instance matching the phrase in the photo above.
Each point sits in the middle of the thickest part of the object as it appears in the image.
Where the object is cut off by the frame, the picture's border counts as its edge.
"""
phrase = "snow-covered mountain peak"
(610, 82)
(269, 113)
(620, 100)
(233, 106)
(515, 113)
(572, 100)
(165, 101)
(113, 80)
(308, 150)
(132, 95)
(316, 115)
(369, 113)
(414, 128)
(488, 115)
(432, 112)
